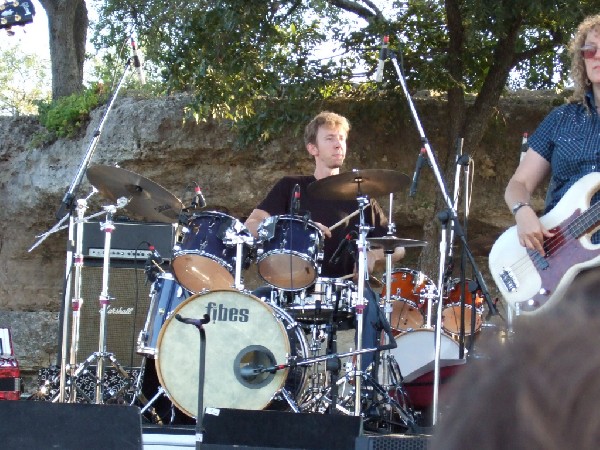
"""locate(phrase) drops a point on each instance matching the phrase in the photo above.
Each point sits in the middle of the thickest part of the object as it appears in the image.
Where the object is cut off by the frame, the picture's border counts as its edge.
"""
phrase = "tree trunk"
(467, 123)
(67, 27)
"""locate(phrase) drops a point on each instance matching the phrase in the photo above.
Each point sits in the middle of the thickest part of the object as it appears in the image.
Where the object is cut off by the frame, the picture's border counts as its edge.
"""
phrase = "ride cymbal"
(350, 185)
(147, 199)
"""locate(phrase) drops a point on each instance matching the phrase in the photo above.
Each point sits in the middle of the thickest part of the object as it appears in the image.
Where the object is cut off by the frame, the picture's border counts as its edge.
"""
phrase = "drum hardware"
(453, 312)
(246, 332)
(66, 211)
(165, 296)
(359, 184)
(147, 199)
(291, 248)
(207, 257)
(328, 298)
(102, 355)
(199, 324)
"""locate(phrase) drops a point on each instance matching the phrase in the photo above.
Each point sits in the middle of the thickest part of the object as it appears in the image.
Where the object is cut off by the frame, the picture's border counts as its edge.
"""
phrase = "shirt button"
(593, 167)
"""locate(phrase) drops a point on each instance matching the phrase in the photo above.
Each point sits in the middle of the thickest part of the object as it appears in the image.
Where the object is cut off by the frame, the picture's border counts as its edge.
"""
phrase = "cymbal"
(146, 198)
(349, 185)
(389, 243)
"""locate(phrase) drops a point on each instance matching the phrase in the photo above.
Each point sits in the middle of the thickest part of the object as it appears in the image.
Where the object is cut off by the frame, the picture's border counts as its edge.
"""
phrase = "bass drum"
(415, 352)
(244, 333)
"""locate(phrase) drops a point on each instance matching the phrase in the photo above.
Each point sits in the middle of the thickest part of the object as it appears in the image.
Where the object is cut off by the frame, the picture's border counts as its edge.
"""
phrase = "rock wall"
(151, 138)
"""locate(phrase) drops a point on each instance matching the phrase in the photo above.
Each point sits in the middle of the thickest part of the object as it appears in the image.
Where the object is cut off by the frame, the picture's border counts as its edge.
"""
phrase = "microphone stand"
(65, 212)
(199, 324)
(453, 217)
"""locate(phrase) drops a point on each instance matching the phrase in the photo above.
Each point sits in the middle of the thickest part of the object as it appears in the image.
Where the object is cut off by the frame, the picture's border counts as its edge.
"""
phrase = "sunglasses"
(589, 51)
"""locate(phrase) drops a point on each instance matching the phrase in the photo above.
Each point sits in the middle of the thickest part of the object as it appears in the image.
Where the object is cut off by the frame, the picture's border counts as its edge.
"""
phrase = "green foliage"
(22, 82)
(260, 65)
(65, 117)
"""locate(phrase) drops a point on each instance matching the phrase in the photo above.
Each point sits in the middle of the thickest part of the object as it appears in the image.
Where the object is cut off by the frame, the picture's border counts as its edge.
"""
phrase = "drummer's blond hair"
(328, 118)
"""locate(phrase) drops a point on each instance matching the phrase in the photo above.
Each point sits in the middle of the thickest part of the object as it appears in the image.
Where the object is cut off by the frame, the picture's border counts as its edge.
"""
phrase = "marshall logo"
(222, 314)
(121, 311)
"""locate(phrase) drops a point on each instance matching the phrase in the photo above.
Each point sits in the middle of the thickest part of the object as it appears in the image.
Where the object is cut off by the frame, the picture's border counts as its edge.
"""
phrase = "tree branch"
(369, 12)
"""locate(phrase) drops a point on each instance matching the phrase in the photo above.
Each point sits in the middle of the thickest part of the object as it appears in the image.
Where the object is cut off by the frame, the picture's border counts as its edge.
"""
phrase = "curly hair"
(327, 118)
(578, 73)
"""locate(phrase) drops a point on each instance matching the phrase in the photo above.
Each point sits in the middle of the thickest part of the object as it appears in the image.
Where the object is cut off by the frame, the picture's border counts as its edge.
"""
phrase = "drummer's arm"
(254, 220)
(376, 258)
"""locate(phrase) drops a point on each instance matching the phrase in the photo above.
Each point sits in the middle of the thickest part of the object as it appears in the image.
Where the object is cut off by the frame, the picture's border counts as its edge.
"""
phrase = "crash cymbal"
(349, 185)
(149, 200)
(389, 243)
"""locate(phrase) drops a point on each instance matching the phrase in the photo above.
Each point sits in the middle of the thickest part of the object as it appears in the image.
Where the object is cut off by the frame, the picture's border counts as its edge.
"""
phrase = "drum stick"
(348, 217)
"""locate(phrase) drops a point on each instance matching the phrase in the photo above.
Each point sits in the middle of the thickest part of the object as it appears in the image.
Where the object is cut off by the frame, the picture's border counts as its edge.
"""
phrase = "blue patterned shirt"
(569, 139)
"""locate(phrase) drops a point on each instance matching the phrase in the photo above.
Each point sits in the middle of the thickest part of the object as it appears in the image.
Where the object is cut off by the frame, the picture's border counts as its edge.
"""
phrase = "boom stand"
(454, 218)
(66, 211)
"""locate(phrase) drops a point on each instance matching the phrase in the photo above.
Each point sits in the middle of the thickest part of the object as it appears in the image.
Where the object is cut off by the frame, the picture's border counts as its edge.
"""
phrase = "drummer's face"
(330, 149)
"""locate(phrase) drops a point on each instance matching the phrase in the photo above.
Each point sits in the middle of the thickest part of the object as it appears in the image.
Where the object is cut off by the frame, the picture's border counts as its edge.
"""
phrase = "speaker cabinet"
(130, 299)
(396, 442)
(225, 428)
(69, 426)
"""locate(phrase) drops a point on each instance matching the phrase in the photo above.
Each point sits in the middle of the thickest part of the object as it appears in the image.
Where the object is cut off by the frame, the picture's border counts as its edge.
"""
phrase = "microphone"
(296, 200)
(137, 63)
(199, 201)
(524, 147)
(382, 58)
(422, 159)
(153, 262)
(335, 258)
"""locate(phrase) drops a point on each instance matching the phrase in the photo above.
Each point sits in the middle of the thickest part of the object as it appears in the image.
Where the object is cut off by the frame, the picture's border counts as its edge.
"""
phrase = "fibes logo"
(222, 314)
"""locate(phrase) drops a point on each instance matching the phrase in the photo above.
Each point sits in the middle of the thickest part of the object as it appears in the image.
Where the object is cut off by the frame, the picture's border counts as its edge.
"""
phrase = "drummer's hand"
(326, 231)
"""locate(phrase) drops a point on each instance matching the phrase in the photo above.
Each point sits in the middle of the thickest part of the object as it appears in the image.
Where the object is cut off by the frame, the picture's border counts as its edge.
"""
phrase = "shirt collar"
(591, 101)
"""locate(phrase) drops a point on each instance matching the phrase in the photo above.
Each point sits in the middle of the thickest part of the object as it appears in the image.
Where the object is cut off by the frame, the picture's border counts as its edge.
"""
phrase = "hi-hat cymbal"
(149, 200)
(349, 185)
(389, 243)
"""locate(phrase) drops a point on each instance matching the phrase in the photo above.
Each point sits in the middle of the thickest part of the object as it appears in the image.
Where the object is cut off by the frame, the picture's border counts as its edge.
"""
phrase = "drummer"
(325, 138)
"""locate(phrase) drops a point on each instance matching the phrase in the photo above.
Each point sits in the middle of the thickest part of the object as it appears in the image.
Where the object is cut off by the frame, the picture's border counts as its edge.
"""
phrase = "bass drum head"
(243, 333)
(415, 352)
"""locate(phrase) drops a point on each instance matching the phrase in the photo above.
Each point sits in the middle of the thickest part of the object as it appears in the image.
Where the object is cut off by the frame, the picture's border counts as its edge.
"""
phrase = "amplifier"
(10, 374)
(129, 240)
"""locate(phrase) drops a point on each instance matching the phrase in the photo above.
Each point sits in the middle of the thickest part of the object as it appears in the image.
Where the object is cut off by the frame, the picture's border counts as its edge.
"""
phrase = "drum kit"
(275, 348)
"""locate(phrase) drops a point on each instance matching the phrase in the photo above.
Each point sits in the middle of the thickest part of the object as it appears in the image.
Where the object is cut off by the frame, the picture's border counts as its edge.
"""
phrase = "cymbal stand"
(363, 202)
(388, 288)
(77, 300)
(104, 299)
(65, 212)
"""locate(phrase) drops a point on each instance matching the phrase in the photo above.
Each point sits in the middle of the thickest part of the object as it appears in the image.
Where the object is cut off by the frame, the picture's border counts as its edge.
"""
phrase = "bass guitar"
(530, 282)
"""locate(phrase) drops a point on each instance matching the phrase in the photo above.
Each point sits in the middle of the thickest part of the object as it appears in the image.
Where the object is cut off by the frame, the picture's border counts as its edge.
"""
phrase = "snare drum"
(451, 313)
(410, 290)
(291, 250)
(318, 303)
(206, 257)
(166, 295)
(244, 333)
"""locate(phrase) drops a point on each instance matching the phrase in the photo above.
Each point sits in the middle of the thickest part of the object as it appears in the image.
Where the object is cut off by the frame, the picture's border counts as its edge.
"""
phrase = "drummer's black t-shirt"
(327, 212)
